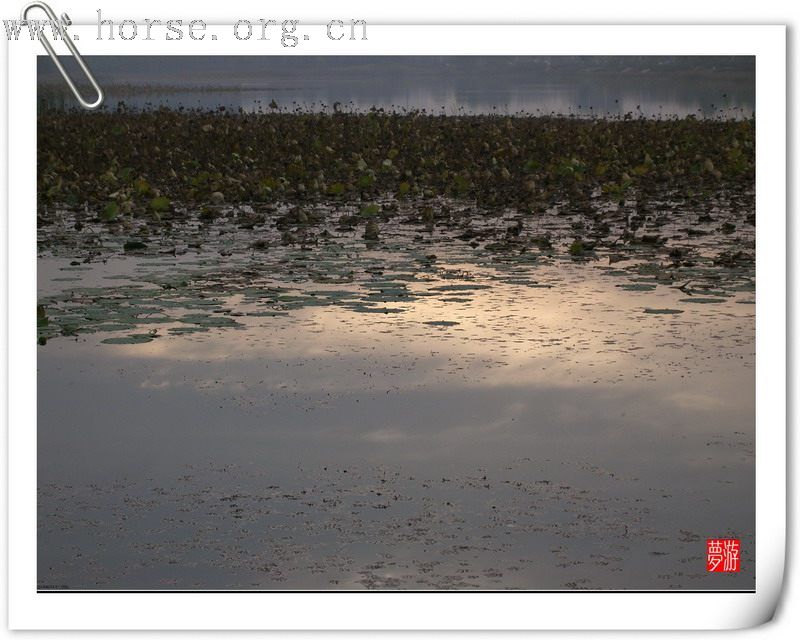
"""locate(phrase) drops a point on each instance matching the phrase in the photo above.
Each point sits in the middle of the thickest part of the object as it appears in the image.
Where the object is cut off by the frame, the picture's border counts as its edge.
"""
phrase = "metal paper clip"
(62, 24)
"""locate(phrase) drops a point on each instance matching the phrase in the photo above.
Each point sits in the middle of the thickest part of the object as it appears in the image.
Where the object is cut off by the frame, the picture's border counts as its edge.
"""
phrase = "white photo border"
(28, 609)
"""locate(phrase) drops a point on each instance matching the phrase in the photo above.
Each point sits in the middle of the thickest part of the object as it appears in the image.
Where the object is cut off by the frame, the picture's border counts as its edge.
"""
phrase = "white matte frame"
(28, 609)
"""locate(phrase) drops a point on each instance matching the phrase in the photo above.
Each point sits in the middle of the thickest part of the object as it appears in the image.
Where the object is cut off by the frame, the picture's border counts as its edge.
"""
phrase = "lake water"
(703, 86)
(413, 414)
(473, 400)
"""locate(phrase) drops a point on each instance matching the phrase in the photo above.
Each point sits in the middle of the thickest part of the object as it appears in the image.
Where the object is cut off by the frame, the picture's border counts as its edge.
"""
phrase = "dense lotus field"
(228, 200)
(144, 163)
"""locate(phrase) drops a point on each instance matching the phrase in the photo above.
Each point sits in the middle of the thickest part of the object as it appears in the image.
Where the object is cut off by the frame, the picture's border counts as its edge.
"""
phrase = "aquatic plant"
(146, 161)
(304, 199)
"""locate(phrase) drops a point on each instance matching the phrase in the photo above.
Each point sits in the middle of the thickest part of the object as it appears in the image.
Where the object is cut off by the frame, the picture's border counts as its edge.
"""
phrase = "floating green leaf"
(134, 245)
(663, 311)
(110, 211)
(134, 338)
(160, 204)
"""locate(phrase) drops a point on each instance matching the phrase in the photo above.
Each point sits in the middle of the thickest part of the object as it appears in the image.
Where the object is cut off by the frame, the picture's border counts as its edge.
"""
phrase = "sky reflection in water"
(703, 86)
(582, 392)
(514, 422)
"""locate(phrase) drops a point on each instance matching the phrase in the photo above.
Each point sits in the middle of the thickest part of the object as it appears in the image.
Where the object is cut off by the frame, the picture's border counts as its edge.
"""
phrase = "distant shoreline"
(56, 97)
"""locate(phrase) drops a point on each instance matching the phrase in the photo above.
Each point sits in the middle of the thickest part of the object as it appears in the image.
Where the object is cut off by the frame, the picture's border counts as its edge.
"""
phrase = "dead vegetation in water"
(144, 163)
(266, 201)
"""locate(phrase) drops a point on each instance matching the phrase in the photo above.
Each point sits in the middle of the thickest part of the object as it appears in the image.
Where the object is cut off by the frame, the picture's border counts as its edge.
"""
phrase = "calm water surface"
(399, 416)
(703, 86)
(423, 412)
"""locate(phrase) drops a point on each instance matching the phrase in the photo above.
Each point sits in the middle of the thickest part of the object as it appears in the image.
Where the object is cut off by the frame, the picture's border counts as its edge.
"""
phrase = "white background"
(410, 11)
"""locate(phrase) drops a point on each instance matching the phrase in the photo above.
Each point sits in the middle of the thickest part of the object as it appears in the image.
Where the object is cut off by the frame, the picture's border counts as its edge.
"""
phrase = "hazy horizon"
(710, 86)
